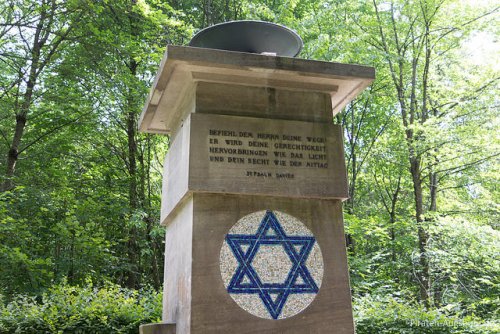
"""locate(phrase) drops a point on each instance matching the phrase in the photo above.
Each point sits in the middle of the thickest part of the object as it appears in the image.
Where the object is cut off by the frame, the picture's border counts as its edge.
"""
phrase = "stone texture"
(213, 310)
(264, 102)
(177, 301)
(160, 328)
(189, 166)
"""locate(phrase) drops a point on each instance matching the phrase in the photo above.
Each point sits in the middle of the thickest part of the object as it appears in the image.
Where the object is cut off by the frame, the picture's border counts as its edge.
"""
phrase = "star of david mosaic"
(272, 265)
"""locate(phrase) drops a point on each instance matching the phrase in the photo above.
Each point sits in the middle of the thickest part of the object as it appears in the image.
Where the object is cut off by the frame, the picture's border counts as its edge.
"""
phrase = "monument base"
(160, 328)
(195, 296)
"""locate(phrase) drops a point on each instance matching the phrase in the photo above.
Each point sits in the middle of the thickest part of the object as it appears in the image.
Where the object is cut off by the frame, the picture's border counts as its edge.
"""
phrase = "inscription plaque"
(265, 156)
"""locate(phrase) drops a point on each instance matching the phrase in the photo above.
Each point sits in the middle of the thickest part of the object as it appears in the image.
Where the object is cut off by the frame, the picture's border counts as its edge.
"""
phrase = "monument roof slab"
(183, 67)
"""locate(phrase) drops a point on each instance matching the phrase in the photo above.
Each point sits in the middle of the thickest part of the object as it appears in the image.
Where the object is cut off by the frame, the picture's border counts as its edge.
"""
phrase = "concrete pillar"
(253, 187)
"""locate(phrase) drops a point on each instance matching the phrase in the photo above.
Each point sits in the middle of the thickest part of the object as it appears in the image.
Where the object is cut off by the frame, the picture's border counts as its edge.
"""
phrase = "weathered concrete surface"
(296, 159)
(160, 328)
(210, 216)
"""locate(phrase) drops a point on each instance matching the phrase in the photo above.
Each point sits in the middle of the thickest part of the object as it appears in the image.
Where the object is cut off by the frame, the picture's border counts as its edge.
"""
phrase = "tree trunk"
(433, 187)
(13, 153)
(352, 183)
(22, 115)
(37, 63)
(132, 248)
(155, 271)
(392, 217)
(423, 273)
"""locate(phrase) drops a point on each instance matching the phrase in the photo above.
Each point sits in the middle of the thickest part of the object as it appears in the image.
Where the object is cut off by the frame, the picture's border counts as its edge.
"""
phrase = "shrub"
(70, 309)
(390, 316)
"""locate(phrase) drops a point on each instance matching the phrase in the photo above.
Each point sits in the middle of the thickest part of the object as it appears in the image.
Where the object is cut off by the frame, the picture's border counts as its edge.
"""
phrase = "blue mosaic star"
(246, 280)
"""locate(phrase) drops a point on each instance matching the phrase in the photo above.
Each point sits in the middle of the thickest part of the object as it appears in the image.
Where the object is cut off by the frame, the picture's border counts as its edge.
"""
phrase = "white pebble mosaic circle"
(271, 264)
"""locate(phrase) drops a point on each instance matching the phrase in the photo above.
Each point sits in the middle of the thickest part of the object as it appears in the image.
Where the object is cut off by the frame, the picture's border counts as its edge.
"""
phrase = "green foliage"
(88, 309)
(70, 215)
(385, 315)
(63, 238)
(466, 266)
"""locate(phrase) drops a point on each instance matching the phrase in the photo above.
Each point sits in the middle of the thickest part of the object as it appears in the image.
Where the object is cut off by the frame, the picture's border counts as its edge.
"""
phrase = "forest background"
(81, 250)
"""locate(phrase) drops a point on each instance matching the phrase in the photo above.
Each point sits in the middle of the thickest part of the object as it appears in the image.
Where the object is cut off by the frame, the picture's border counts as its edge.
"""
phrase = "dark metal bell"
(249, 36)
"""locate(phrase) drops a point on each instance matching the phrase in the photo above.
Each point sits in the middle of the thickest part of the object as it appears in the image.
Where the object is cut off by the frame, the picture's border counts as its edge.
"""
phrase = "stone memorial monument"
(253, 184)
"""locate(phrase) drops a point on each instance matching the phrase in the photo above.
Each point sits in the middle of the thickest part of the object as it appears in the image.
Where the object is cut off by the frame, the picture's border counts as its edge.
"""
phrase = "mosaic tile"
(271, 264)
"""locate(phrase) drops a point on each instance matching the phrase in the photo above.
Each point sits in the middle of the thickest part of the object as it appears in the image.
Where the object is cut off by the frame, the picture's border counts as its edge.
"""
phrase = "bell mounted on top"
(250, 36)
